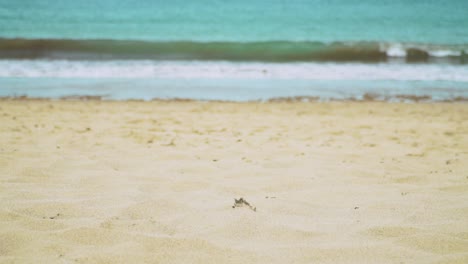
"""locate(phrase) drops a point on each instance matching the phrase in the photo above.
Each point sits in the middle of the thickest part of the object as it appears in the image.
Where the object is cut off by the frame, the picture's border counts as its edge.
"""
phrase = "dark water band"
(271, 51)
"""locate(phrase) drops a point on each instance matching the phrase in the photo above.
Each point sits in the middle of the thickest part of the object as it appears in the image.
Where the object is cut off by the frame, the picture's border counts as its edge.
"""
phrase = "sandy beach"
(155, 182)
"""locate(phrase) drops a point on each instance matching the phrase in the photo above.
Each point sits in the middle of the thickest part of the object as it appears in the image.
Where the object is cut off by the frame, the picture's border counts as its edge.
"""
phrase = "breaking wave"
(268, 51)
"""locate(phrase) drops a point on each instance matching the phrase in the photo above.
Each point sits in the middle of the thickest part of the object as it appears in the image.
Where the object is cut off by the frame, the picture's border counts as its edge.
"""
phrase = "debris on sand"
(242, 202)
(52, 217)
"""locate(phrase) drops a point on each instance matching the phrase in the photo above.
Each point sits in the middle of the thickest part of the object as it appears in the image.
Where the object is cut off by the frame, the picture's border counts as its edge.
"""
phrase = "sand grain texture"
(154, 182)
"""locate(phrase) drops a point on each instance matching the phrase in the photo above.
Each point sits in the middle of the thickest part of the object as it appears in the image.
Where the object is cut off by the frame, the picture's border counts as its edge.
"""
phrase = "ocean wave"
(424, 51)
(268, 51)
(231, 70)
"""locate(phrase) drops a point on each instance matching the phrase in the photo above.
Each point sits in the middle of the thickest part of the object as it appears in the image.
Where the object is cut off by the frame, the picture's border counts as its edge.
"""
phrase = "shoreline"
(367, 97)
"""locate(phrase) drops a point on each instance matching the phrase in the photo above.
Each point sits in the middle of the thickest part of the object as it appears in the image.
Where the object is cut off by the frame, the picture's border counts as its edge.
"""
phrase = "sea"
(238, 50)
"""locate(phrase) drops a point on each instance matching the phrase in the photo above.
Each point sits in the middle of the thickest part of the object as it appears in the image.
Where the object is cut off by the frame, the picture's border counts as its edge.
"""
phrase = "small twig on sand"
(241, 202)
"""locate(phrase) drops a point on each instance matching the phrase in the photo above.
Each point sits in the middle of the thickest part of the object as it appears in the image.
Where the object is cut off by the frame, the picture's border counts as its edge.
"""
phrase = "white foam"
(444, 53)
(399, 50)
(395, 50)
(231, 70)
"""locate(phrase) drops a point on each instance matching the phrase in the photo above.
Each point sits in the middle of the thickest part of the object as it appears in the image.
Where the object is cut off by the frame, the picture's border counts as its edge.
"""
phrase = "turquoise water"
(187, 46)
(422, 21)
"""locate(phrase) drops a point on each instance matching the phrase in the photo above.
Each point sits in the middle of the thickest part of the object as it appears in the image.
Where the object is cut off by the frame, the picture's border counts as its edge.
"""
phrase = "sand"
(155, 182)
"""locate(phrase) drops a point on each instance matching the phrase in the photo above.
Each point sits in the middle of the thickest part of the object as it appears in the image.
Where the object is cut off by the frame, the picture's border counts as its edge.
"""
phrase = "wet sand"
(155, 182)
